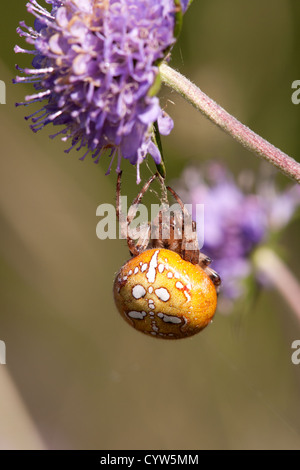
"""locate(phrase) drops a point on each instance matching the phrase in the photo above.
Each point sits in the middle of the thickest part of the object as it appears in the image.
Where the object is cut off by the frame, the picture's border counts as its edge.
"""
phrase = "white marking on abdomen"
(144, 267)
(137, 315)
(170, 275)
(138, 291)
(187, 295)
(179, 285)
(162, 294)
(150, 290)
(161, 268)
(169, 318)
(151, 274)
(136, 270)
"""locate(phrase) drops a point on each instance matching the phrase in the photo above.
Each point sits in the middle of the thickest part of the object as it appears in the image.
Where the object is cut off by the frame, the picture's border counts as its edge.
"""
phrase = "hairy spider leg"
(134, 247)
(194, 256)
(203, 260)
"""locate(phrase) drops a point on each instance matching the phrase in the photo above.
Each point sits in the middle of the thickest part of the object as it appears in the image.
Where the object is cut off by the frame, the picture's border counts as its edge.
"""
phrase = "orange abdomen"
(161, 295)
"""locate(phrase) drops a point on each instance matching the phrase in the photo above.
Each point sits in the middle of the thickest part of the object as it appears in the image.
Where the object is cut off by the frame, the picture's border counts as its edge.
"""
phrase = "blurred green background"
(77, 377)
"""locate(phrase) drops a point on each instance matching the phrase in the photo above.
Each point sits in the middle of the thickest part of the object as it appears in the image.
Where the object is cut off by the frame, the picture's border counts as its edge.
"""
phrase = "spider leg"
(191, 255)
(122, 219)
(134, 206)
(143, 241)
(156, 233)
(177, 198)
(120, 216)
(204, 260)
(134, 248)
(214, 277)
(118, 192)
(195, 256)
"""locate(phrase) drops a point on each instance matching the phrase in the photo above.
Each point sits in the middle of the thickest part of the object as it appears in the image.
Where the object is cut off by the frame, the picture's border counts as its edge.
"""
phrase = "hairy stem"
(276, 272)
(228, 123)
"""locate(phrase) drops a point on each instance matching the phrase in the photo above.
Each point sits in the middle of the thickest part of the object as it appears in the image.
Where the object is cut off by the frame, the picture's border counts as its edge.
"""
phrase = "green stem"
(270, 265)
(156, 137)
(228, 123)
(178, 18)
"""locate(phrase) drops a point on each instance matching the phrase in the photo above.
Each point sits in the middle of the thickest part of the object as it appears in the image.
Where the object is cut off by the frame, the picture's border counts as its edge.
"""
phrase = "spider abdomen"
(162, 295)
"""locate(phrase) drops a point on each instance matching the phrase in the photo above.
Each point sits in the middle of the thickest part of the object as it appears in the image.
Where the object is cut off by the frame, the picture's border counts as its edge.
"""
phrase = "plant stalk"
(228, 123)
(274, 269)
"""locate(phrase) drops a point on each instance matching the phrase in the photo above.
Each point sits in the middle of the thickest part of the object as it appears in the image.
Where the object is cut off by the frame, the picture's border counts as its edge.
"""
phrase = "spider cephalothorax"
(167, 289)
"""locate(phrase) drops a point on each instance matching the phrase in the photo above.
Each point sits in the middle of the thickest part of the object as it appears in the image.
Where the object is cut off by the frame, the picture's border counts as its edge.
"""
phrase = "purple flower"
(184, 5)
(95, 62)
(236, 220)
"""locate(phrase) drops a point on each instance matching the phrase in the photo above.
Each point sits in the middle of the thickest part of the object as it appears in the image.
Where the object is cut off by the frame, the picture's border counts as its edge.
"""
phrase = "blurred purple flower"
(94, 63)
(236, 220)
(184, 4)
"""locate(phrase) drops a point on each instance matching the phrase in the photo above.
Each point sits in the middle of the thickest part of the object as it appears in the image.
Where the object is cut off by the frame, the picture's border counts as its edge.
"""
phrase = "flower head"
(95, 62)
(237, 219)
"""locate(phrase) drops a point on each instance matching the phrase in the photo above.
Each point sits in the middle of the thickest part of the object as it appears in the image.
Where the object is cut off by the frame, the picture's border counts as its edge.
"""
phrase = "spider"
(167, 289)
